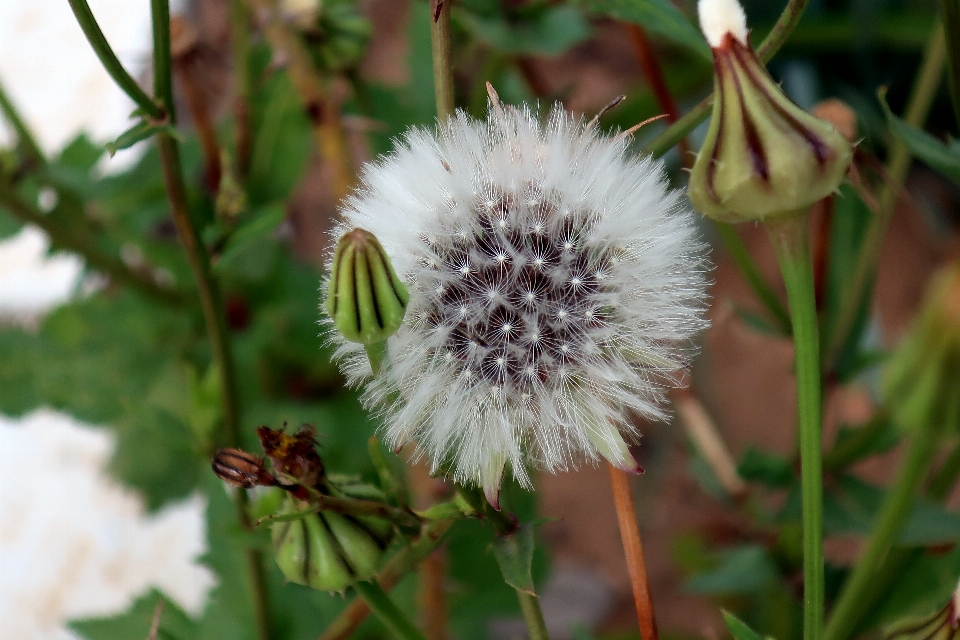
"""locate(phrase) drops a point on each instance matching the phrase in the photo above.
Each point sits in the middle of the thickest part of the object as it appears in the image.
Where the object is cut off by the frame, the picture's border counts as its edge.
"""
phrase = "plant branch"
(771, 44)
(79, 241)
(110, 61)
(633, 549)
(533, 616)
(918, 107)
(395, 570)
(951, 27)
(388, 612)
(791, 240)
(442, 57)
(24, 136)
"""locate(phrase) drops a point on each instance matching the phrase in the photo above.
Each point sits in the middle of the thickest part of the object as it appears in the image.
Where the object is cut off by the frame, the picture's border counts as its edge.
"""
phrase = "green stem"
(778, 35)
(951, 27)
(110, 61)
(442, 57)
(533, 616)
(24, 137)
(859, 592)
(918, 106)
(79, 241)
(942, 483)
(162, 67)
(748, 268)
(791, 240)
(388, 612)
(396, 569)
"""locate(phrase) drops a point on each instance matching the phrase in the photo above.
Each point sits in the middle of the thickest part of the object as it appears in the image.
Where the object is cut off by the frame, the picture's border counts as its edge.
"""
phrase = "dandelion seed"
(596, 271)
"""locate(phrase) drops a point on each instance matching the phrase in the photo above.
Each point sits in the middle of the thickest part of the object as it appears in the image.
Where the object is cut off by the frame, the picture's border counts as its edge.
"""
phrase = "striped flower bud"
(366, 300)
(325, 551)
(763, 157)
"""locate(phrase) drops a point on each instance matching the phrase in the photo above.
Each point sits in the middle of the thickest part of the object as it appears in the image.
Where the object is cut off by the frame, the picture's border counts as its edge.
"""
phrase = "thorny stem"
(240, 50)
(918, 106)
(442, 57)
(778, 35)
(322, 112)
(791, 240)
(388, 612)
(633, 549)
(395, 569)
(859, 590)
(110, 61)
(24, 137)
(210, 301)
(79, 241)
(951, 27)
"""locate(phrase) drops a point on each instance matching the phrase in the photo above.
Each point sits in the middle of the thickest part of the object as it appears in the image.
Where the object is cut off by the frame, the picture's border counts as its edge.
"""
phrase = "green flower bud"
(366, 299)
(326, 551)
(763, 156)
(942, 624)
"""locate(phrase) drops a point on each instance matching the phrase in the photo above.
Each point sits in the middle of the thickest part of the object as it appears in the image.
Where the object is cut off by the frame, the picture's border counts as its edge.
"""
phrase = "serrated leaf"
(136, 622)
(738, 628)
(658, 16)
(514, 554)
(138, 132)
(939, 156)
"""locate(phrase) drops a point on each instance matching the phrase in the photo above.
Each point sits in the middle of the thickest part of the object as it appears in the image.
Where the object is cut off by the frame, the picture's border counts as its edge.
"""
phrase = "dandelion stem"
(395, 569)
(442, 57)
(633, 549)
(778, 35)
(533, 616)
(791, 240)
(388, 612)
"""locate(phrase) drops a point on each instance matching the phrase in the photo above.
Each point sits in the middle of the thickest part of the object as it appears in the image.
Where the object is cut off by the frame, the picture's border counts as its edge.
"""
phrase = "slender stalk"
(395, 569)
(242, 85)
(748, 269)
(918, 107)
(442, 57)
(791, 240)
(778, 35)
(388, 612)
(633, 549)
(110, 61)
(79, 241)
(322, 112)
(859, 592)
(211, 303)
(533, 616)
(24, 136)
(951, 27)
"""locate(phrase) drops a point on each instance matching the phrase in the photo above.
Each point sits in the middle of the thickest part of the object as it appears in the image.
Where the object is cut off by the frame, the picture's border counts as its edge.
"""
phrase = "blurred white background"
(73, 543)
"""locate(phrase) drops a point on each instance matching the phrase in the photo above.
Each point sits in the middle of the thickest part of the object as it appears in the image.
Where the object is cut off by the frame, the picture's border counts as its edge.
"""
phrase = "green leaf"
(939, 156)
(140, 131)
(658, 16)
(547, 30)
(738, 628)
(747, 569)
(9, 226)
(854, 444)
(768, 469)
(136, 622)
(759, 323)
(264, 222)
(514, 555)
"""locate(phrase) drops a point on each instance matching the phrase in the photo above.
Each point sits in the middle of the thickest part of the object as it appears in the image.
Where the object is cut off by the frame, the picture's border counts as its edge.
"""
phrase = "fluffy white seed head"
(555, 284)
(720, 17)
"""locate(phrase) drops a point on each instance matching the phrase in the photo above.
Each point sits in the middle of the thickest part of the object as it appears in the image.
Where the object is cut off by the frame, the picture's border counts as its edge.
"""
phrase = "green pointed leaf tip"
(366, 299)
(940, 156)
(514, 554)
(659, 16)
(739, 629)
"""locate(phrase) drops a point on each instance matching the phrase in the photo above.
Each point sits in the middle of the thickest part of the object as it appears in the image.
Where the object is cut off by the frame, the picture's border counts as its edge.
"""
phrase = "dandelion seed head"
(557, 282)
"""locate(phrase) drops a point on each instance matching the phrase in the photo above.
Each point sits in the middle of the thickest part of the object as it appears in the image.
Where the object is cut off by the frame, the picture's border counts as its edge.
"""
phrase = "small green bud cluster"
(366, 299)
(763, 158)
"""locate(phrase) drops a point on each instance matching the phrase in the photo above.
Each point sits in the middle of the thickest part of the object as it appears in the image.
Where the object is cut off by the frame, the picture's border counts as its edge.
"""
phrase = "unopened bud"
(366, 299)
(241, 469)
(763, 157)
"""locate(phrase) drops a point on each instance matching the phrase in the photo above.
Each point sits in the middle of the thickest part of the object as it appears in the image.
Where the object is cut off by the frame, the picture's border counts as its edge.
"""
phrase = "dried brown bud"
(295, 457)
(241, 469)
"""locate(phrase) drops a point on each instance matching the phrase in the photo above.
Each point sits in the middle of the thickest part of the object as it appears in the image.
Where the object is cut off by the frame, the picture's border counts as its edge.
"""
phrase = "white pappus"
(556, 284)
